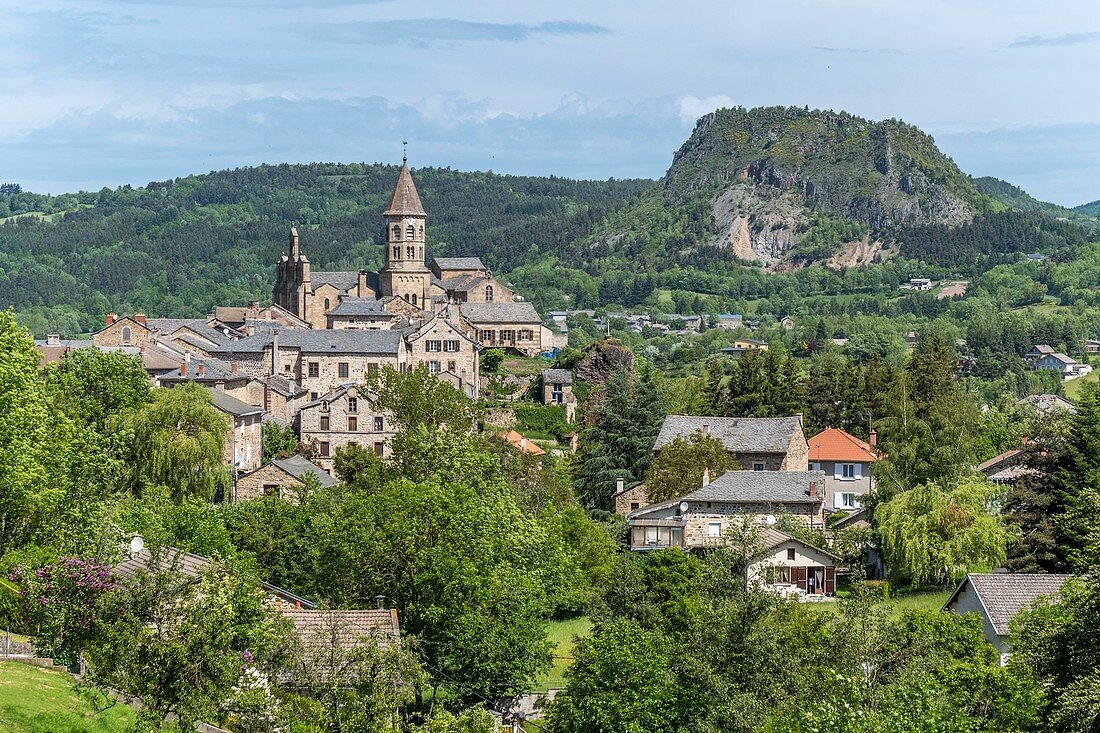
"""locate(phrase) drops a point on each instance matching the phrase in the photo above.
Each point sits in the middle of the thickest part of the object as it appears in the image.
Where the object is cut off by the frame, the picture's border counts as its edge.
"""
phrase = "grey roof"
(284, 386)
(232, 405)
(500, 313)
(1042, 349)
(198, 325)
(458, 263)
(298, 466)
(762, 487)
(342, 281)
(1059, 356)
(1046, 403)
(334, 394)
(214, 370)
(1003, 595)
(320, 341)
(360, 307)
(557, 376)
(738, 434)
(462, 283)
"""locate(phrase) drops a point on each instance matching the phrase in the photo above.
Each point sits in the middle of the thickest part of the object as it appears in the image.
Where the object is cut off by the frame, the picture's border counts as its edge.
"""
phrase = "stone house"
(729, 321)
(341, 417)
(362, 314)
(246, 319)
(758, 443)
(998, 597)
(282, 477)
(243, 442)
(701, 518)
(124, 331)
(846, 461)
(557, 389)
(628, 498)
(442, 344)
(515, 327)
(468, 280)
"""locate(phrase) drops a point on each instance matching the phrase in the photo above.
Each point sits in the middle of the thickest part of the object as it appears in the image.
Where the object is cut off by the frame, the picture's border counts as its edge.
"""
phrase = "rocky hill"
(786, 186)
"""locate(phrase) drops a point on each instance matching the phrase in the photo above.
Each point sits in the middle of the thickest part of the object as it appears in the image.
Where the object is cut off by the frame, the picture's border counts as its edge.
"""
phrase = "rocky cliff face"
(774, 175)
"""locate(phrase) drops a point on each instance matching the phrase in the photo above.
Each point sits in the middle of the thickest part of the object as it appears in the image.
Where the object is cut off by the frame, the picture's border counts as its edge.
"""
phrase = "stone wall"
(339, 432)
(244, 443)
(112, 335)
(256, 485)
(443, 335)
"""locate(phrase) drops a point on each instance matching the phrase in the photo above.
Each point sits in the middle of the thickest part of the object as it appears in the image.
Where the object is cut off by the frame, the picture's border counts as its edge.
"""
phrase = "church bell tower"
(405, 274)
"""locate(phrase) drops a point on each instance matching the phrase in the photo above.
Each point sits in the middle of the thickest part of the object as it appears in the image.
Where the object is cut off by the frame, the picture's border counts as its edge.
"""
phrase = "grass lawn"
(561, 635)
(37, 700)
(923, 599)
(1074, 387)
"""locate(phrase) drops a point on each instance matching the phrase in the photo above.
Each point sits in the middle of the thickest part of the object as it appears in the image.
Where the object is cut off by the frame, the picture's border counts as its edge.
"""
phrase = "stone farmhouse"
(758, 443)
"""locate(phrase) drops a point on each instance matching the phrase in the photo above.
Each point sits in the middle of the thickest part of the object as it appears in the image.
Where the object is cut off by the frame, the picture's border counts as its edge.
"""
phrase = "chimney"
(706, 477)
(706, 429)
(873, 437)
(232, 367)
(111, 318)
(183, 369)
(799, 416)
(253, 305)
(201, 370)
(363, 283)
(219, 385)
(275, 351)
(380, 602)
(620, 484)
(140, 318)
(813, 489)
(522, 442)
(53, 339)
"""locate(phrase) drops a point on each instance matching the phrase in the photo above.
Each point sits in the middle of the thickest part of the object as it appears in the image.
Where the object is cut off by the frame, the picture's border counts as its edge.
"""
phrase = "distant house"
(758, 443)
(516, 327)
(1004, 468)
(918, 283)
(282, 477)
(742, 345)
(341, 417)
(787, 322)
(700, 519)
(523, 443)
(998, 597)
(627, 498)
(53, 348)
(1047, 404)
(727, 320)
(1035, 257)
(846, 461)
(1058, 362)
(1038, 351)
(243, 442)
(557, 389)
(1090, 346)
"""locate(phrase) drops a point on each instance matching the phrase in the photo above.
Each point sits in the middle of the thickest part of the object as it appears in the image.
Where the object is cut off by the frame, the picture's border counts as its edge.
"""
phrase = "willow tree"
(179, 443)
(933, 535)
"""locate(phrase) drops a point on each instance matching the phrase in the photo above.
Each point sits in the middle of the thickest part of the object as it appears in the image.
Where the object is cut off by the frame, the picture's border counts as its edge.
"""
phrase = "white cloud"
(692, 108)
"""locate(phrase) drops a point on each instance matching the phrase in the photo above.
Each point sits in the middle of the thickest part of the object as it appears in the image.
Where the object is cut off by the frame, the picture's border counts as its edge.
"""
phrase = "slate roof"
(557, 376)
(284, 386)
(321, 341)
(1058, 356)
(1046, 403)
(738, 434)
(342, 281)
(198, 325)
(405, 200)
(360, 307)
(834, 444)
(771, 538)
(298, 466)
(1003, 595)
(500, 313)
(462, 283)
(762, 487)
(214, 370)
(1041, 349)
(458, 263)
(233, 406)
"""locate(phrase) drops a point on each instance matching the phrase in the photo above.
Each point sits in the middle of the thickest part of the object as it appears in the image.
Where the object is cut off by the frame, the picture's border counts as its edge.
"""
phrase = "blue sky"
(105, 92)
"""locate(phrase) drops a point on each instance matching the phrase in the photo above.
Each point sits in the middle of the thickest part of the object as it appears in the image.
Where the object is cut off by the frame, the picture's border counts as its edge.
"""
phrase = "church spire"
(294, 249)
(405, 200)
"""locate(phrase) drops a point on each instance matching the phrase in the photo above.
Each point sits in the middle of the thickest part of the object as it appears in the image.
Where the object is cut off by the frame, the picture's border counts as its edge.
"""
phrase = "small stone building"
(342, 417)
(282, 477)
(244, 441)
(515, 327)
(557, 389)
(758, 443)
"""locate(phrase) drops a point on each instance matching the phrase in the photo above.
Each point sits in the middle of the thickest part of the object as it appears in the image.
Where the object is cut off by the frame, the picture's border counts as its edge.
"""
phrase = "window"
(634, 505)
(421, 231)
(314, 369)
(488, 293)
(312, 396)
(451, 346)
(790, 553)
(452, 366)
(379, 447)
(489, 336)
(286, 368)
(126, 335)
(651, 535)
(526, 334)
(849, 500)
(714, 529)
(435, 346)
(848, 470)
(353, 404)
(327, 303)
(324, 406)
(434, 367)
(410, 231)
(271, 490)
(379, 423)
(372, 368)
(507, 335)
(324, 423)
(396, 253)
(815, 466)
(757, 465)
(342, 369)
(396, 233)
(323, 449)
(353, 424)
(410, 253)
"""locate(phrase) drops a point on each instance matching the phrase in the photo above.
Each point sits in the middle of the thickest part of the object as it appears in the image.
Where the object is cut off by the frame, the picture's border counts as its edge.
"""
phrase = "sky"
(108, 92)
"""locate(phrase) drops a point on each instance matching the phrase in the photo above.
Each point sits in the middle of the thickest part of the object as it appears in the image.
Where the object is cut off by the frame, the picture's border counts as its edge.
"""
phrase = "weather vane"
(404, 151)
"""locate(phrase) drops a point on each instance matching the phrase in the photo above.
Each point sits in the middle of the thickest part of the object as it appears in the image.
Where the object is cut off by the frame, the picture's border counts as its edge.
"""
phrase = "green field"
(925, 599)
(1074, 387)
(37, 700)
(561, 635)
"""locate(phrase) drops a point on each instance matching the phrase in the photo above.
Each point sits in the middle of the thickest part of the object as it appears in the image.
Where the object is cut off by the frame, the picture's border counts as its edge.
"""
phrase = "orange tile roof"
(833, 444)
(524, 444)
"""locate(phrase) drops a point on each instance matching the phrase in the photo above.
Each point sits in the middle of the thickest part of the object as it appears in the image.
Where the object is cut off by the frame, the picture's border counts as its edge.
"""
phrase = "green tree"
(278, 442)
(492, 360)
(179, 443)
(417, 397)
(94, 387)
(678, 468)
(934, 535)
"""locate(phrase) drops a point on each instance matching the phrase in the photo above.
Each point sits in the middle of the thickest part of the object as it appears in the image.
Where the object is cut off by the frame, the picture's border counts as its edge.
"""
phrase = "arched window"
(126, 335)
(410, 253)
(488, 293)
(327, 304)
(397, 252)
(421, 231)
(410, 232)
(414, 299)
(397, 232)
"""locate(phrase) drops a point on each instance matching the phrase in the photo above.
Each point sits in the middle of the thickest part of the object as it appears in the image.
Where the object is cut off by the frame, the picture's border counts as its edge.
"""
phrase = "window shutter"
(838, 470)
(830, 580)
(859, 470)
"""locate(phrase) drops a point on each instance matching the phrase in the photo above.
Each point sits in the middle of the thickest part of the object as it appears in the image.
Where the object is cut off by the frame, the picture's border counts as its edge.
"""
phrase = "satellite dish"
(770, 520)
(683, 507)
(137, 544)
